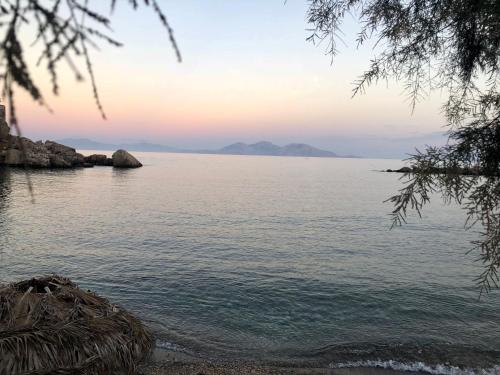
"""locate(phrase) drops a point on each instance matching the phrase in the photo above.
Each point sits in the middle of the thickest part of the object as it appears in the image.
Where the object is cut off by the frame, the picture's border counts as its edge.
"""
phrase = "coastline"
(169, 362)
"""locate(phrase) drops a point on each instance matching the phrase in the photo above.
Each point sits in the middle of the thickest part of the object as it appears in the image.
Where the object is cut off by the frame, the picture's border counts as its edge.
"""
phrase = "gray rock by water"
(17, 151)
(13, 157)
(404, 170)
(35, 154)
(122, 159)
(4, 127)
(96, 159)
(23, 151)
(4, 130)
(64, 153)
(57, 161)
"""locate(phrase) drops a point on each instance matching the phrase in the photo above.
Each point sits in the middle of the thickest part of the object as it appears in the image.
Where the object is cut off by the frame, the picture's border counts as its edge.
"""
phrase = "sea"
(288, 260)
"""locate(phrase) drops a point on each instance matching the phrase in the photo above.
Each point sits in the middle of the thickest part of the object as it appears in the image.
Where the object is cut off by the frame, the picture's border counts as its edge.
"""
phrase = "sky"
(248, 74)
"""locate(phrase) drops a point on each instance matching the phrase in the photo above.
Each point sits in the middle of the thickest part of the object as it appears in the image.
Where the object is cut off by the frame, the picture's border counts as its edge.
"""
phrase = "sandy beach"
(165, 362)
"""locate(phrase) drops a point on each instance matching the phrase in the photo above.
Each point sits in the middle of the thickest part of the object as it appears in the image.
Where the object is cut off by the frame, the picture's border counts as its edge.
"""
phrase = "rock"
(58, 148)
(24, 151)
(4, 130)
(17, 151)
(13, 157)
(57, 161)
(122, 159)
(36, 154)
(78, 160)
(4, 127)
(4, 146)
(96, 159)
(64, 153)
(389, 170)
(404, 170)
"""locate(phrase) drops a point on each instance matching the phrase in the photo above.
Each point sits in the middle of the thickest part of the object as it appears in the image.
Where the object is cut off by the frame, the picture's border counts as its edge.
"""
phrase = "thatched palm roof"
(50, 326)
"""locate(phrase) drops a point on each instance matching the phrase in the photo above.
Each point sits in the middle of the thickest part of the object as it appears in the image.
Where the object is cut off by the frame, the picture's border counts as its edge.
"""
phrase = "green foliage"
(447, 45)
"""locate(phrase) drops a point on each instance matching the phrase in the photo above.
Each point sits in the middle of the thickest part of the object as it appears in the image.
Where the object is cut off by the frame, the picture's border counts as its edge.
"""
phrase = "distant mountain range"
(259, 148)
(270, 149)
(88, 144)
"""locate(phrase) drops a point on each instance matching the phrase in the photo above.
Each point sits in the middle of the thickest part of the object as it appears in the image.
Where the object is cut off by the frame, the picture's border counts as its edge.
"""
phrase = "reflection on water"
(254, 256)
(5, 190)
(5, 181)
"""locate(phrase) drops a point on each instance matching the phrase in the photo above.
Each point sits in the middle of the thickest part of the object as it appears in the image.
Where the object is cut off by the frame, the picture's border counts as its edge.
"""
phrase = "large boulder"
(96, 159)
(63, 155)
(122, 159)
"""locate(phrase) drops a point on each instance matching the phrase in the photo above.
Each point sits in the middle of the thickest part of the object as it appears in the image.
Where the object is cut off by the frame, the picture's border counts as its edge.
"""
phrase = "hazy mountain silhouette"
(239, 148)
(268, 148)
(88, 144)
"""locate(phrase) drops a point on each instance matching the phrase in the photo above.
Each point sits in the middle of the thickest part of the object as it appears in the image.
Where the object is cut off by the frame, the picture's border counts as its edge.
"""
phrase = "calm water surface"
(270, 258)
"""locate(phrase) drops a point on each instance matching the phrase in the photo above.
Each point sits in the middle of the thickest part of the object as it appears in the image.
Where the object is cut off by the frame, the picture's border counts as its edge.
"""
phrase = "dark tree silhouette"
(449, 45)
(66, 30)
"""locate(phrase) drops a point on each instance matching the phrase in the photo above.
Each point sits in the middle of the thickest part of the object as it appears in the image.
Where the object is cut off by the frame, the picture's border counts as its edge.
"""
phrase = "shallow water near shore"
(272, 259)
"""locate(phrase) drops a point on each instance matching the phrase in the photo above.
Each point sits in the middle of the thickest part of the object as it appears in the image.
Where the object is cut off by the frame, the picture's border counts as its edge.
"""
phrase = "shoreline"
(169, 362)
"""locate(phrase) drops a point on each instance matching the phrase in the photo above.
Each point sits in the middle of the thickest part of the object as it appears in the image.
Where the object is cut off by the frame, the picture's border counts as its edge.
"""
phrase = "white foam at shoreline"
(419, 366)
(167, 345)
(439, 369)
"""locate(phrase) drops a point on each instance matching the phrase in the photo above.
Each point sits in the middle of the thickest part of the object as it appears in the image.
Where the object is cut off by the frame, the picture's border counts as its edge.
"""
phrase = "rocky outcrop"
(13, 157)
(16, 151)
(20, 151)
(33, 154)
(64, 153)
(99, 159)
(122, 159)
(467, 171)
(404, 170)
(96, 159)
(4, 130)
(4, 127)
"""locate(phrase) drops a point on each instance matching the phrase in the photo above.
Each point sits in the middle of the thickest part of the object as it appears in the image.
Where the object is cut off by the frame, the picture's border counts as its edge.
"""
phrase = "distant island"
(270, 149)
(260, 148)
(88, 144)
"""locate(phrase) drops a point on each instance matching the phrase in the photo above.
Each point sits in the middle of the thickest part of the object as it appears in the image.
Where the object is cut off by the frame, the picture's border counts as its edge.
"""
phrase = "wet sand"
(166, 362)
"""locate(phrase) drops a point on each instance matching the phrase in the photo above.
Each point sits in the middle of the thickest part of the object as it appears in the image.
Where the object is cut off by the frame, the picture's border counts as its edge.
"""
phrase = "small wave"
(167, 345)
(419, 367)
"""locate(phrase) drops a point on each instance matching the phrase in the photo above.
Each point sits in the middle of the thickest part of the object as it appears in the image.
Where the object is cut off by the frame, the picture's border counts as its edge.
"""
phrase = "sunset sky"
(248, 75)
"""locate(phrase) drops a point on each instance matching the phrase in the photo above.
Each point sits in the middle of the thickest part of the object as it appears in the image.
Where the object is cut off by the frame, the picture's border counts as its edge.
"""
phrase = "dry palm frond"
(50, 326)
